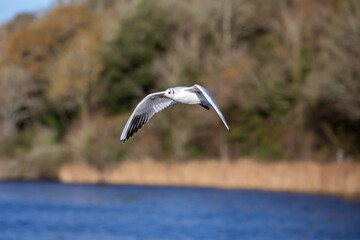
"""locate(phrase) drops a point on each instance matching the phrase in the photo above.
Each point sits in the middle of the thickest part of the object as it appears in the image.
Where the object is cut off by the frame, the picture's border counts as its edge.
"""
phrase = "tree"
(142, 37)
(17, 104)
(334, 85)
(36, 45)
(75, 75)
(8, 29)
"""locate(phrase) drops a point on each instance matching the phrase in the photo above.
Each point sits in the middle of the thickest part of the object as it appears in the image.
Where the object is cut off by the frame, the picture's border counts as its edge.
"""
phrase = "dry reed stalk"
(305, 176)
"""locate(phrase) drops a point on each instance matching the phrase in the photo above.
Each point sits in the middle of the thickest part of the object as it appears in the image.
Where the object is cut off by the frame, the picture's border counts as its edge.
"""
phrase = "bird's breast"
(187, 98)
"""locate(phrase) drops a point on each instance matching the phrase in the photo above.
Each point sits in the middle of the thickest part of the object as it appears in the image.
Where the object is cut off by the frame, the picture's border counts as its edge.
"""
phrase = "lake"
(48, 211)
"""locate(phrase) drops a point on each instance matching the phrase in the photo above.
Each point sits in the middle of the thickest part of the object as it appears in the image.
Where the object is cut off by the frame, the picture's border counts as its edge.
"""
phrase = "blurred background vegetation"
(285, 73)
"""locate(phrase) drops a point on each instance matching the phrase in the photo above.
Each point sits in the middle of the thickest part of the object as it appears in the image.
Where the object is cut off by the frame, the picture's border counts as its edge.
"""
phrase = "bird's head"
(169, 93)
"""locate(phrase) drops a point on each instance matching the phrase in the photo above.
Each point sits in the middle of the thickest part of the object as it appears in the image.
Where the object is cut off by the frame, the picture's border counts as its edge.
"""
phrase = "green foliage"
(278, 99)
(59, 121)
(305, 64)
(23, 142)
(190, 72)
(128, 58)
(256, 133)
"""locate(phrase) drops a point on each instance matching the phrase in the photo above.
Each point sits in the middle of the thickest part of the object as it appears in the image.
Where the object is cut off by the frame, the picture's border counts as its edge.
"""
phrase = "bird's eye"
(169, 92)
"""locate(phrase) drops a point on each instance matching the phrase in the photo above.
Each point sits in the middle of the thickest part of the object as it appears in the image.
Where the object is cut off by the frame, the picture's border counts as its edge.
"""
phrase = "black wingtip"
(205, 106)
(124, 140)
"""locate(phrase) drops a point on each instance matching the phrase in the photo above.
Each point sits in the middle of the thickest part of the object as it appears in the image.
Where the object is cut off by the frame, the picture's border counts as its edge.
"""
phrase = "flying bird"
(155, 102)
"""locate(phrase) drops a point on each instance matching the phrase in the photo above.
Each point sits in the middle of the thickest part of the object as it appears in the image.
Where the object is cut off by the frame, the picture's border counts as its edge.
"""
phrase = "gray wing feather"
(210, 99)
(148, 107)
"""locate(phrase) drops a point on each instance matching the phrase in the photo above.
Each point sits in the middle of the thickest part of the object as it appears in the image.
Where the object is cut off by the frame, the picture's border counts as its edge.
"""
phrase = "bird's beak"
(163, 96)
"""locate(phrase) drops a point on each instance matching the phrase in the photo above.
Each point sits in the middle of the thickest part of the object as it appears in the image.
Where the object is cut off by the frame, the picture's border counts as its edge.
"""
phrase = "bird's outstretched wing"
(151, 104)
(211, 100)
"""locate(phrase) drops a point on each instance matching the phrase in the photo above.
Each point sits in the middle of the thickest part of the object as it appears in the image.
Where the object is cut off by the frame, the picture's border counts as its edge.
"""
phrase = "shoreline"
(298, 177)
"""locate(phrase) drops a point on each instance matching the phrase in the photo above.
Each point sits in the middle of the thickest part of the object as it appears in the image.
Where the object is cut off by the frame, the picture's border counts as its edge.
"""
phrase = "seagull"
(155, 102)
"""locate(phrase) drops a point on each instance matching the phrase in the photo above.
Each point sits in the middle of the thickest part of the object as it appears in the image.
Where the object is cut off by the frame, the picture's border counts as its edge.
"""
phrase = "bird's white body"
(186, 97)
(155, 102)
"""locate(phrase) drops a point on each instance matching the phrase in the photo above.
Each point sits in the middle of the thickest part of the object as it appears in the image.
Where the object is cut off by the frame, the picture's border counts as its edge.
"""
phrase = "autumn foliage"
(285, 74)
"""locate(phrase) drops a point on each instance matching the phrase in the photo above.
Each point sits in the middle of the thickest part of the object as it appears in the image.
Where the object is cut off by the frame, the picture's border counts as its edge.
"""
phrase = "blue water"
(39, 211)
